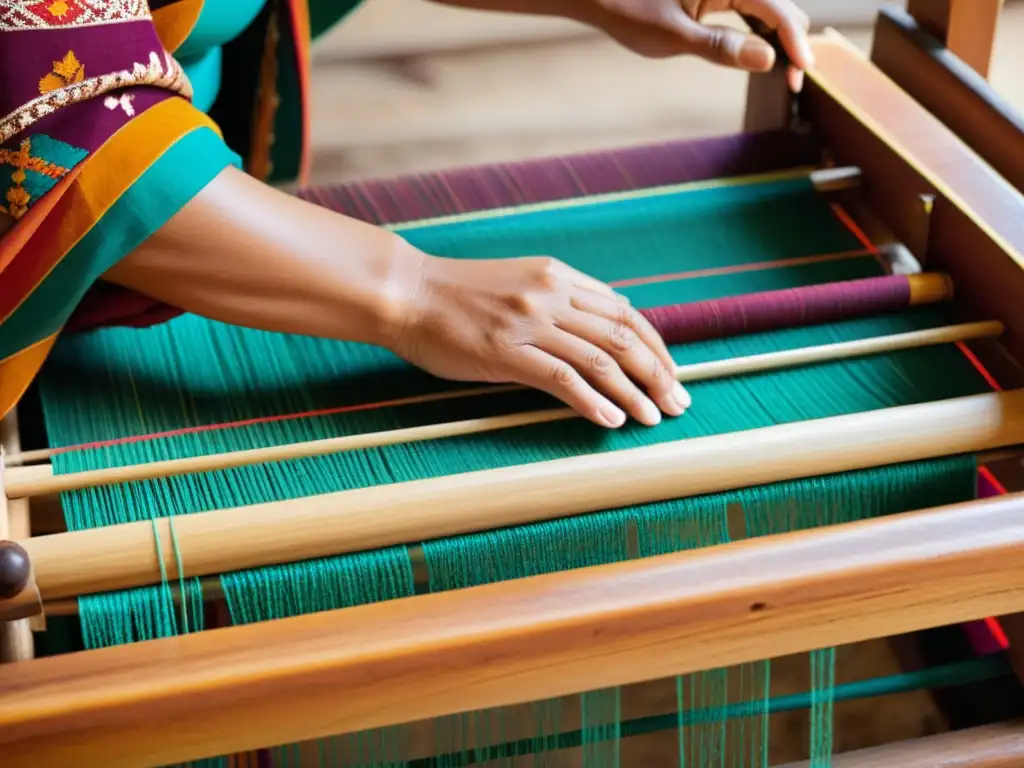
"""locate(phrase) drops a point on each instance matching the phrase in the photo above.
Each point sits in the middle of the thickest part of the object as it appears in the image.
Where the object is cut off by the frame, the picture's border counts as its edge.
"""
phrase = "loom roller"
(678, 324)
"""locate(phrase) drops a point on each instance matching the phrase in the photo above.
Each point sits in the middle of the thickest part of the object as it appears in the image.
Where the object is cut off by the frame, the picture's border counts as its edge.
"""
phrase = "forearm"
(565, 8)
(246, 254)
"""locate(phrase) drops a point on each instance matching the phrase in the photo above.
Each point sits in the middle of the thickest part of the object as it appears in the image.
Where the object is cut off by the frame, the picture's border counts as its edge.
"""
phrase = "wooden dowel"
(40, 480)
(213, 590)
(1000, 745)
(922, 288)
(16, 641)
(123, 556)
(228, 690)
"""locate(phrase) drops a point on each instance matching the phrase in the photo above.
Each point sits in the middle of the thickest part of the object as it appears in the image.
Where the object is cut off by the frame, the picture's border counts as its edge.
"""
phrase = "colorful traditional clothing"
(113, 115)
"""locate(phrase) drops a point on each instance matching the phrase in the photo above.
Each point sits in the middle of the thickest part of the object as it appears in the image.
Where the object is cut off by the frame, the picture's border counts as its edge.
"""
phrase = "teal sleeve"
(163, 190)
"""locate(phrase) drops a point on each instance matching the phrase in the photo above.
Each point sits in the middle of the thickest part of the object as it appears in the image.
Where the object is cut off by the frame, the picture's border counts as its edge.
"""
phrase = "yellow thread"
(17, 196)
(37, 164)
(65, 72)
(58, 9)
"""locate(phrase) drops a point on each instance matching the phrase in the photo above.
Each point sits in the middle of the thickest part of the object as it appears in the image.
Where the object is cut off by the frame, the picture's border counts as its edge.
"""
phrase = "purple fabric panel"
(758, 312)
(27, 56)
(535, 181)
(88, 124)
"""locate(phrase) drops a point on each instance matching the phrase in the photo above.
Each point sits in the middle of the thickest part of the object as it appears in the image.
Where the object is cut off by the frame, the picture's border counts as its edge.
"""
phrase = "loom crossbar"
(223, 691)
(1000, 745)
(123, 556)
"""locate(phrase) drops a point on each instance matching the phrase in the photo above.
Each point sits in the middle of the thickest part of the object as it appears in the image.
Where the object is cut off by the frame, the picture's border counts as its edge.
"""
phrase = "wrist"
(395, 307)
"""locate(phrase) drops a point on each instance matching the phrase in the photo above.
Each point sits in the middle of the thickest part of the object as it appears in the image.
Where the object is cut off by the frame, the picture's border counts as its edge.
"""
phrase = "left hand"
(661, 28)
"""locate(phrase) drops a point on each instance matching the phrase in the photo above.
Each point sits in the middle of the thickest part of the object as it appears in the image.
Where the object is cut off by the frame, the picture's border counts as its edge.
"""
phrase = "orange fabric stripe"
(104, 177)
(175, 22)
(303, 45)
(15, 238)
(18, 371)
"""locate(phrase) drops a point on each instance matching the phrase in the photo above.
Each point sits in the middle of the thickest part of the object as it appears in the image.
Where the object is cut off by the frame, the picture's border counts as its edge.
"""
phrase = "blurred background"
(409, 85)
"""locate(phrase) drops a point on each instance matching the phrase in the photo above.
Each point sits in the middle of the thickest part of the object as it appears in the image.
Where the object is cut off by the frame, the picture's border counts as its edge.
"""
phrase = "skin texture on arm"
(246, 254)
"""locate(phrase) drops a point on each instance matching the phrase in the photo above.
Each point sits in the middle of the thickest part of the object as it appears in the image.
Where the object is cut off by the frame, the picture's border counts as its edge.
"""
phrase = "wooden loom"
(921, 179)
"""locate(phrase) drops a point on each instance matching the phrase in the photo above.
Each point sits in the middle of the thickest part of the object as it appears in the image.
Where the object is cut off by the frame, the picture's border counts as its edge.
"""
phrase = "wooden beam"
(16, 641)
(125, 555)
(229, 690)
(966, 27)
(951, 91)
(905, 152)
(1000, 745)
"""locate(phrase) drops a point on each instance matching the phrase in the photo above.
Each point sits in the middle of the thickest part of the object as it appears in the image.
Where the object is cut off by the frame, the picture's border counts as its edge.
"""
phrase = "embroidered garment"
(103, 138)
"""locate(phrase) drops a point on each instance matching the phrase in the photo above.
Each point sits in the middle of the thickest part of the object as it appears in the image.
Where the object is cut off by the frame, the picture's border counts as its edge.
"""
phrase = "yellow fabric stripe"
(103, 178)
(175, 22)
(18, 371)
(111, 170)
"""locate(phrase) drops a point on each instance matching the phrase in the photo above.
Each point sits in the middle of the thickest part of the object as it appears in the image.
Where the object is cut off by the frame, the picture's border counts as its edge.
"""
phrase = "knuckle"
(548, 273)
(625, 315)
(600, 364)
(563, 376)
(658, 373)
(718, 43)
(620, 337)
(520, 305)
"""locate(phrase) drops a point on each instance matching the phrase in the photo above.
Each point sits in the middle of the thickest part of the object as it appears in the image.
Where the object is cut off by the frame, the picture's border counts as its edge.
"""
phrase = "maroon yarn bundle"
(772, 310)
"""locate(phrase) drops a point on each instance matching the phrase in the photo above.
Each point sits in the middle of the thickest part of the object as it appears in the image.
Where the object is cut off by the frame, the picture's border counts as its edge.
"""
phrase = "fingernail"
(756, 55)
(670, 406)
(681, 396)
(612, 416)
(797, 83)
(649, 414)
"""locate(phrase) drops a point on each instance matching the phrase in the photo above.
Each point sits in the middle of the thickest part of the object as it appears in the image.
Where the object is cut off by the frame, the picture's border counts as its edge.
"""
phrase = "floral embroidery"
(125, 103)
(17, 196)
(162, 71)
(36, 14)
(66, 71)
(31, 170)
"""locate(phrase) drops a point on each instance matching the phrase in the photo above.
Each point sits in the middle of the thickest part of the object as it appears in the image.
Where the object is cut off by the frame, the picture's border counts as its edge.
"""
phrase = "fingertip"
(649, 415)
(610, 416)
(796, 79)
(756, 55)
(681, 396)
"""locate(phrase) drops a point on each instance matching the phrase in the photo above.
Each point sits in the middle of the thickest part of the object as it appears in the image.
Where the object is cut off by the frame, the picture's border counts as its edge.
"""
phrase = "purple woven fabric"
(759, 312)
(537, 181)
(408, 198)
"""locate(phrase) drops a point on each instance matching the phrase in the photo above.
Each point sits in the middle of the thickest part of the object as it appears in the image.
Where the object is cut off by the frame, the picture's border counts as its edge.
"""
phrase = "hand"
(660, 28)
(538, 322)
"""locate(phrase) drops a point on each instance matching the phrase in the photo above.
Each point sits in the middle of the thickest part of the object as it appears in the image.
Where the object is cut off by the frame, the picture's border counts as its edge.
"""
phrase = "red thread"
(697, 273)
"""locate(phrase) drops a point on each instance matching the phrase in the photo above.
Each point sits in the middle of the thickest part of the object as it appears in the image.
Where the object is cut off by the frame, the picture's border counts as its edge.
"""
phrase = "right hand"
(538, 322)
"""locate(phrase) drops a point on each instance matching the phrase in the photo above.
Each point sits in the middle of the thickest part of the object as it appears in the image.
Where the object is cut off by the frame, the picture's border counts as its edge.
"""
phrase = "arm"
(246, 254)
(660, 28)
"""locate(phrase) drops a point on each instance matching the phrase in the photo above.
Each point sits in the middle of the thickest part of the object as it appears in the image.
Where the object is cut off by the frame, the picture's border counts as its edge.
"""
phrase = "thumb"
(725, 45)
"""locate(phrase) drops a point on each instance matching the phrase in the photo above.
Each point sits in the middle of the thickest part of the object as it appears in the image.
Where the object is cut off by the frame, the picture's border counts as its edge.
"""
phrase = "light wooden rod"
(1000, 745)
(123, 556)
(228, 690)
(924, 288)
(40, 480)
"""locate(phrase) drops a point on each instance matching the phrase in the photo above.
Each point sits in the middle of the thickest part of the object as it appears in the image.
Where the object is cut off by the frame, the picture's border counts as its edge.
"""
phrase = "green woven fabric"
(193, 372)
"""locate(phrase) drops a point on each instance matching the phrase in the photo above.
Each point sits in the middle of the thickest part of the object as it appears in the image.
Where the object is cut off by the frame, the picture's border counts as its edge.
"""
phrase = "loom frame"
(977, 244)
(426, 656)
